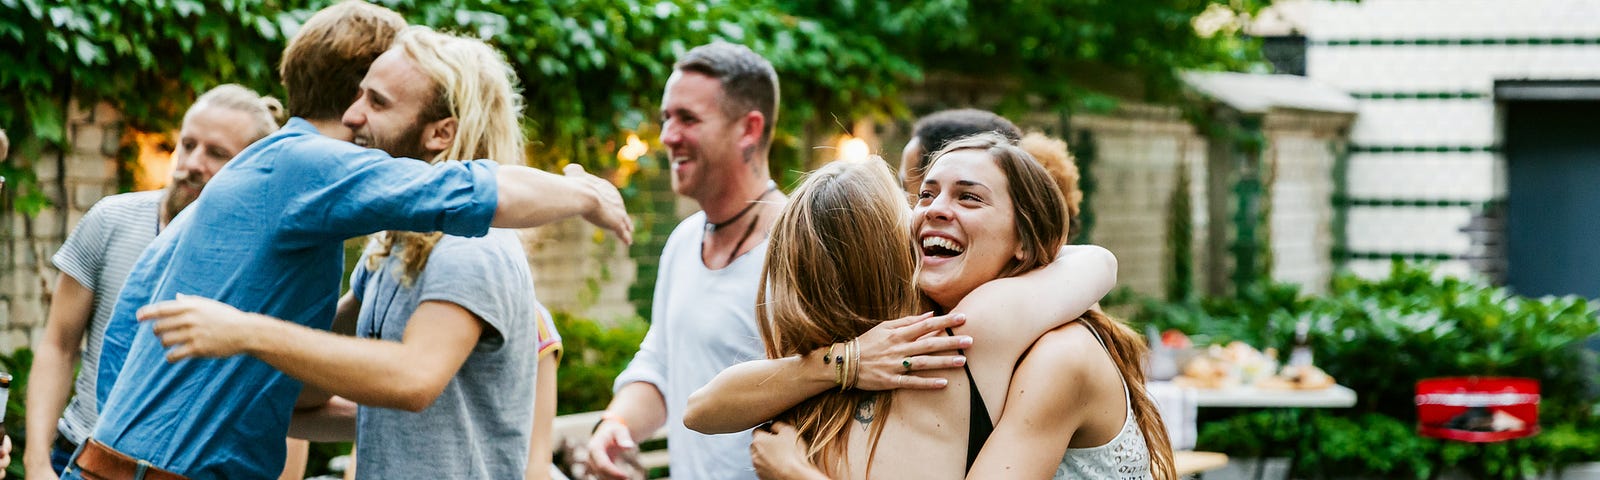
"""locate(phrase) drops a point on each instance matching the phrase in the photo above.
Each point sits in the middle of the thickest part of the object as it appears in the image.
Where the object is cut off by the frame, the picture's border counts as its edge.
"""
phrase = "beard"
(408, 144)
(180, 192)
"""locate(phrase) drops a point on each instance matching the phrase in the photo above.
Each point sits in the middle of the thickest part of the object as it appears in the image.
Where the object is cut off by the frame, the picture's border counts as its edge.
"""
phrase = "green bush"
(1379, 338)
(594, 353)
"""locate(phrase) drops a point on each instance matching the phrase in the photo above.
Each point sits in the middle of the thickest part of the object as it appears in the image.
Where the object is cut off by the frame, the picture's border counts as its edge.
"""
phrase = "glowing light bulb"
(851, 148)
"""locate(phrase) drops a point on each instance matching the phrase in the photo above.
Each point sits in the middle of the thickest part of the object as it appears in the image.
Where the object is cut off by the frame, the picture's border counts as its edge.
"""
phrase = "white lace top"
(1126, 456)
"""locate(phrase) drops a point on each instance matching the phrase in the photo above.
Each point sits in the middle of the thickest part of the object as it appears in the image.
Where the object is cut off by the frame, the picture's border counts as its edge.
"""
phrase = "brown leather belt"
(99, 462)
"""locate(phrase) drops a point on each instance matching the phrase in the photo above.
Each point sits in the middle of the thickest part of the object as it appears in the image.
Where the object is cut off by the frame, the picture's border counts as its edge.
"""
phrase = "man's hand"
(193, 326)
(609, 213)
(5, 455)
(779, 454)
(613, 455)
(893, 350)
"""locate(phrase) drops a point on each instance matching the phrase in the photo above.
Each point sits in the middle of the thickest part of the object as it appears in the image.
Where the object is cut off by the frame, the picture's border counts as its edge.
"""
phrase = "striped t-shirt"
(98, 254)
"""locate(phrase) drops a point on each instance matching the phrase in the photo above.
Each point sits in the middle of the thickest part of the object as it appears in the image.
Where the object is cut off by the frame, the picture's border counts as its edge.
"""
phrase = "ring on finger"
(906, 363)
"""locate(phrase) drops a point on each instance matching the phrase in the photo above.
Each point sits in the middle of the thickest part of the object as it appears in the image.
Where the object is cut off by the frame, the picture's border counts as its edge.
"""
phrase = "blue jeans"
(59, 456)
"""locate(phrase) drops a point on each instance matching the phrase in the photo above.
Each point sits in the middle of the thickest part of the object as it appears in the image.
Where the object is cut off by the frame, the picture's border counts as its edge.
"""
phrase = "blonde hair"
(265, 112)
(474, 84)
(1052, 153)
(1041, 217)
(840, 260)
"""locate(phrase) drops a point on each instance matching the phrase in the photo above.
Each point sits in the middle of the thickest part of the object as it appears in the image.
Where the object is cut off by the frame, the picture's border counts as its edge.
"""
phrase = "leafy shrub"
(594, 354)
(1379, 337)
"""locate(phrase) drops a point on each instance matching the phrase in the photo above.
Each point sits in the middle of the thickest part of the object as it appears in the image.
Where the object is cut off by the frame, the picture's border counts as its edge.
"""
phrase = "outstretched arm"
(1009, 314)
(405, 375)
(1046, 298)
(749, 393)
(531, 197)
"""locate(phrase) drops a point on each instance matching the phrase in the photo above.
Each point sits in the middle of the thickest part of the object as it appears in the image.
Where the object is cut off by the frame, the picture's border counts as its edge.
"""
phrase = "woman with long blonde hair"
(989, 225)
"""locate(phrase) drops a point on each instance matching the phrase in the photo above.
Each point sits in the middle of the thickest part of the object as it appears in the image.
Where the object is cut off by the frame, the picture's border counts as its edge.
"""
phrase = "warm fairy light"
(851, 148)
(628, 159)
(155, 160)
(634, 149)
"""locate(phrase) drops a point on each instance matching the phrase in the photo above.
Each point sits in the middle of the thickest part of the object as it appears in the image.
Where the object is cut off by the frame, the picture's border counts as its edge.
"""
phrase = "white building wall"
(1428, 128)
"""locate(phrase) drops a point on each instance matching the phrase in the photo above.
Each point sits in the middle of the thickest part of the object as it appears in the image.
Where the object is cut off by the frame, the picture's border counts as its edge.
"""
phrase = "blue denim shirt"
(265, 236)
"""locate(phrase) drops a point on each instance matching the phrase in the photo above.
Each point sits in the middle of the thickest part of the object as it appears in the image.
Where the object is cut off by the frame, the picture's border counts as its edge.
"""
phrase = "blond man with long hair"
(451, 335)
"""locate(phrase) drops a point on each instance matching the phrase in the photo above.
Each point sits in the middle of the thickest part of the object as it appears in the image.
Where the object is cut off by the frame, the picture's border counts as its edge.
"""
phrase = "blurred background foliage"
(593, 70)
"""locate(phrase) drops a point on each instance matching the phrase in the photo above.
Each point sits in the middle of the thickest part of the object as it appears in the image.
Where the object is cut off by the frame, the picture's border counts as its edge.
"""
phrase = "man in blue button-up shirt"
(266, 236)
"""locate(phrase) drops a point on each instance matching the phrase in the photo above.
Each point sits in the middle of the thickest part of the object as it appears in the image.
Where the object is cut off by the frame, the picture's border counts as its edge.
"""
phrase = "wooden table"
(1190, 462)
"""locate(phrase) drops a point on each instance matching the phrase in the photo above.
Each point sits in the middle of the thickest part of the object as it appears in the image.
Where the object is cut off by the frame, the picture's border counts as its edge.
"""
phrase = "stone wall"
(73, 181)
(1138, 151)
(581, 270)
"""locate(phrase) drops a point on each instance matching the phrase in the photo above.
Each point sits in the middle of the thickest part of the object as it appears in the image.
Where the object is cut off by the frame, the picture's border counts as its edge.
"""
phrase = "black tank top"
(978, 424)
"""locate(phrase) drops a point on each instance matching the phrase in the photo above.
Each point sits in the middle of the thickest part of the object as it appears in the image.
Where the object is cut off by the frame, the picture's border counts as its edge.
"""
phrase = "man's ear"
(750, 128)
(439, 134)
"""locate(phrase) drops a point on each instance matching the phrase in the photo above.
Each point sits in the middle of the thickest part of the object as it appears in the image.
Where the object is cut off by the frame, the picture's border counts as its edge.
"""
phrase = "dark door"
(1553, 197)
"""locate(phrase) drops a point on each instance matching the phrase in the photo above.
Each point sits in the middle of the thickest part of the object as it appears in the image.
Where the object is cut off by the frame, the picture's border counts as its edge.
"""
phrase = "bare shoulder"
(1068, 350)
(1087, 253)
(1056, 378)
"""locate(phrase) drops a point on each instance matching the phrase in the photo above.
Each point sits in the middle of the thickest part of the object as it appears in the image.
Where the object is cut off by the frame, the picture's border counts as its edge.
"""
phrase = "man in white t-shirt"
(717, 114)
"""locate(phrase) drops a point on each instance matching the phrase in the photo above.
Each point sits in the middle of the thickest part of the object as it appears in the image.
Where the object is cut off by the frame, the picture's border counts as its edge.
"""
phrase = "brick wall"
(1138, 151)
(73, 180)
(1300, 161)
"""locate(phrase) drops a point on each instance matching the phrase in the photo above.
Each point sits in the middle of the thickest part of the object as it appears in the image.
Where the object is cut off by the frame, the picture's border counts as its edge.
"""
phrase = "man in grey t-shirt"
(479, 425)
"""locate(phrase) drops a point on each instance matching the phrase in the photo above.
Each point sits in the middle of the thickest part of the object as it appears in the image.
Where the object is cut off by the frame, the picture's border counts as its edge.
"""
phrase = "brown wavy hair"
(324, 63)
(1041, 218)
(840, 260)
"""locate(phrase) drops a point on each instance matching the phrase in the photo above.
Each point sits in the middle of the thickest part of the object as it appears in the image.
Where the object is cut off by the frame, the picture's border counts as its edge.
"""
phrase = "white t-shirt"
(702, 321)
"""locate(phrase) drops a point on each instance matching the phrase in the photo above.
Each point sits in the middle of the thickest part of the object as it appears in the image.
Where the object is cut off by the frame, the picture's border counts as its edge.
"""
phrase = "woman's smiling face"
(965, 225)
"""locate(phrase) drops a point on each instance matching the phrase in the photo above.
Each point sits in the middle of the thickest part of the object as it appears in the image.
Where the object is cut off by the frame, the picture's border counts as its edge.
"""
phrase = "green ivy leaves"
(593, 70)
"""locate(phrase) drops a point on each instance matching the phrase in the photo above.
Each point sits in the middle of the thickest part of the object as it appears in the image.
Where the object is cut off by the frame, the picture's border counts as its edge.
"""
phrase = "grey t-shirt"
(98, 255)
(480, 425)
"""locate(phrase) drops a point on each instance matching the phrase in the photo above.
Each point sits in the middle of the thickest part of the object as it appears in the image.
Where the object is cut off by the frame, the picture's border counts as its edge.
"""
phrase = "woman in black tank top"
(967, 233)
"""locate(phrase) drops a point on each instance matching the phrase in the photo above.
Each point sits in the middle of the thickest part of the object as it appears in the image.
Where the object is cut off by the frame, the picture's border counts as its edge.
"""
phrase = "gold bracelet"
(855, 363)
(839, 365)
(848, 378)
